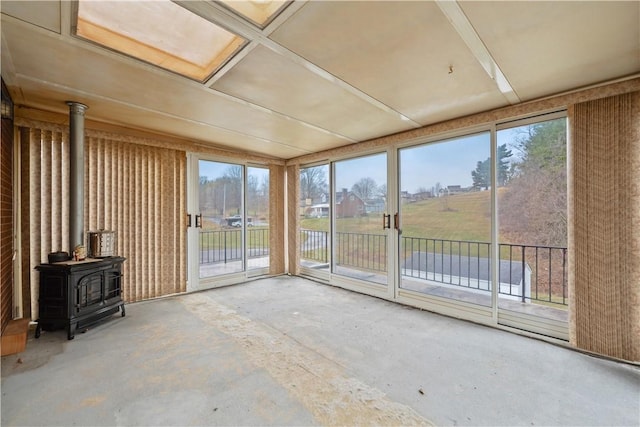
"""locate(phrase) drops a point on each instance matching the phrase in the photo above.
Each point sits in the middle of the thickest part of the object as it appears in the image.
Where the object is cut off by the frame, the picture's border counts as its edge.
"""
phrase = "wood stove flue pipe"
(76, 174)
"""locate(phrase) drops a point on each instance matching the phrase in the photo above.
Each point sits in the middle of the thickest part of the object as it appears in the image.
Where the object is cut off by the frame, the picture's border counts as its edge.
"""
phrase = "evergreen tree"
(503, 164)
(481, 176)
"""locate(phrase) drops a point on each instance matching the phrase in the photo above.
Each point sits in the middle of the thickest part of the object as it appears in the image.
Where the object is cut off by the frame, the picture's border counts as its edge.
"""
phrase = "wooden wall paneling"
(6, 223)
(293, 226)
(277, 229)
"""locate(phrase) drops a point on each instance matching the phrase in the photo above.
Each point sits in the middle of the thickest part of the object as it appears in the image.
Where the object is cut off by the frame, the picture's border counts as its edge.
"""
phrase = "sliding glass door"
(220, 218)
(227, 222)
(315, 220)
(445, 219)
(361, 219)
(257, 215)
(531, 165)
(473, 225)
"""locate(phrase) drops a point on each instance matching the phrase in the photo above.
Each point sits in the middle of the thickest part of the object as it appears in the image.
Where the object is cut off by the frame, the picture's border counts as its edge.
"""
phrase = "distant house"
(349, 205)
(406, 197)
(423, 195)
(315, 207)
(372, 206)
(320, 210)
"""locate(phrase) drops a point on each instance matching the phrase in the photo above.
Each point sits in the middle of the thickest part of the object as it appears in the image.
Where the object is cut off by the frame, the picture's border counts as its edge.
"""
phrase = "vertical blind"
(604, 272)
(135, 189)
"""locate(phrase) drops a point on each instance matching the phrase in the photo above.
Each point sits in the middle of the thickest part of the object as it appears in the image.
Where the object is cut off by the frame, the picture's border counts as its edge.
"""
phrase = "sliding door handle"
(188, 220)
(199, 221)
(386, 221)
(396, 221)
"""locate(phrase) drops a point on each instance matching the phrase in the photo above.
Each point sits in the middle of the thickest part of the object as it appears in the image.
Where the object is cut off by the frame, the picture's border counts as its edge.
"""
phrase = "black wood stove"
(76, 294)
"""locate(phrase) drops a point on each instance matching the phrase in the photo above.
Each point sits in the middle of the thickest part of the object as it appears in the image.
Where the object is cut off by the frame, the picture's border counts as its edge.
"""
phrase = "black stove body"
(76, 294)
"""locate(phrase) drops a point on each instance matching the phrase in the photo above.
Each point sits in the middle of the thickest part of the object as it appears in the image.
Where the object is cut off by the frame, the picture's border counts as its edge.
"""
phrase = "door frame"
(382, 291)
(493, 316)
(194, 281)
(449, 307)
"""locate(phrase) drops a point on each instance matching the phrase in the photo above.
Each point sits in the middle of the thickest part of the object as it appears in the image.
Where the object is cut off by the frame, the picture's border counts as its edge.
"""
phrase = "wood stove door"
(89, 293)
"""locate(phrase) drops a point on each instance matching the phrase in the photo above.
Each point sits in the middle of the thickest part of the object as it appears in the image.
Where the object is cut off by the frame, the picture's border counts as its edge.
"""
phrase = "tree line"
(222, 196)
(534, 207)
(313, 184)
(531, 175)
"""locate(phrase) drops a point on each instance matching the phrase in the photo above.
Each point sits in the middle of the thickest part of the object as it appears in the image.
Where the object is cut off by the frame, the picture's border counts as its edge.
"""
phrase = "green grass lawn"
(459, 217)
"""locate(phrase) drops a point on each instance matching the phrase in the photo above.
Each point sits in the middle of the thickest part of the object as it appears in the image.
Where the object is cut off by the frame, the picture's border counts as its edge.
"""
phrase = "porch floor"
(289, 351)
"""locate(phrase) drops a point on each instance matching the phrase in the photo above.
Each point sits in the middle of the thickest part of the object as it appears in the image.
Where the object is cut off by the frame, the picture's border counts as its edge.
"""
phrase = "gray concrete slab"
(289, 351)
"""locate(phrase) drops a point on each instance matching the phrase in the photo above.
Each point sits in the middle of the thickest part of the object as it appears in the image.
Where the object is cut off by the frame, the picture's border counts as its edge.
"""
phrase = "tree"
(206, 189)
(534, 209)
(502, 166)
(546, 145)
(233, 175)
(381, 191)
(313, 182)
(253, 195)
(257, 195)
(365, 188)
(252, 186)
(481, 176)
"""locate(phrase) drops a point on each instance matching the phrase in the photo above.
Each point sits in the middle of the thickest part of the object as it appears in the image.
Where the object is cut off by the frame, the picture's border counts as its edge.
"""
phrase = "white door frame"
(194, 282)
(494, 315)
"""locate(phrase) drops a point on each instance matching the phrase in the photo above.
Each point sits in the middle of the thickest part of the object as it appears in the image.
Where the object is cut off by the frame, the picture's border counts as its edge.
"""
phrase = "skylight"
(159, 32)
(259, 12)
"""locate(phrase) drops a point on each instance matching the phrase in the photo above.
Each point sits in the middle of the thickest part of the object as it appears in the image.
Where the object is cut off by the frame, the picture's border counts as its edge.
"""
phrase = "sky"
(348, 172)
(449, 163)
(213, 170)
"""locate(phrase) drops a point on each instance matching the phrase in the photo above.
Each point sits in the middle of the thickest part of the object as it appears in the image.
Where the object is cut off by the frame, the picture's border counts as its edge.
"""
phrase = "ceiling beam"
(220, 15)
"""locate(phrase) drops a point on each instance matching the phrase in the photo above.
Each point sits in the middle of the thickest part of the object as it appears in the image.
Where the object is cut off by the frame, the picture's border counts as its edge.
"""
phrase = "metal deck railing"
(526, 272)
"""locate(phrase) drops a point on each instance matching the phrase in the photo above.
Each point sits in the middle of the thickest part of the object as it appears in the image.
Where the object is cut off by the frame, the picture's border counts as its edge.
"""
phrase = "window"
(531, 169)
(158, 32)
(314, 211)
(260, 12)
(445, 245)
(257, 214)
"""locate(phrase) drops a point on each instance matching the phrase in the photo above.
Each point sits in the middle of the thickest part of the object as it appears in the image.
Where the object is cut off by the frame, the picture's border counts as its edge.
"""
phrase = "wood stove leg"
(38, 329)
(123, 312)
(71, 331)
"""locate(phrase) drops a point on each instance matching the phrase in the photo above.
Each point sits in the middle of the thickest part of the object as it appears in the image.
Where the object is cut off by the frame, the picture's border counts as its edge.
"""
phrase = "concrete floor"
(288, 351)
